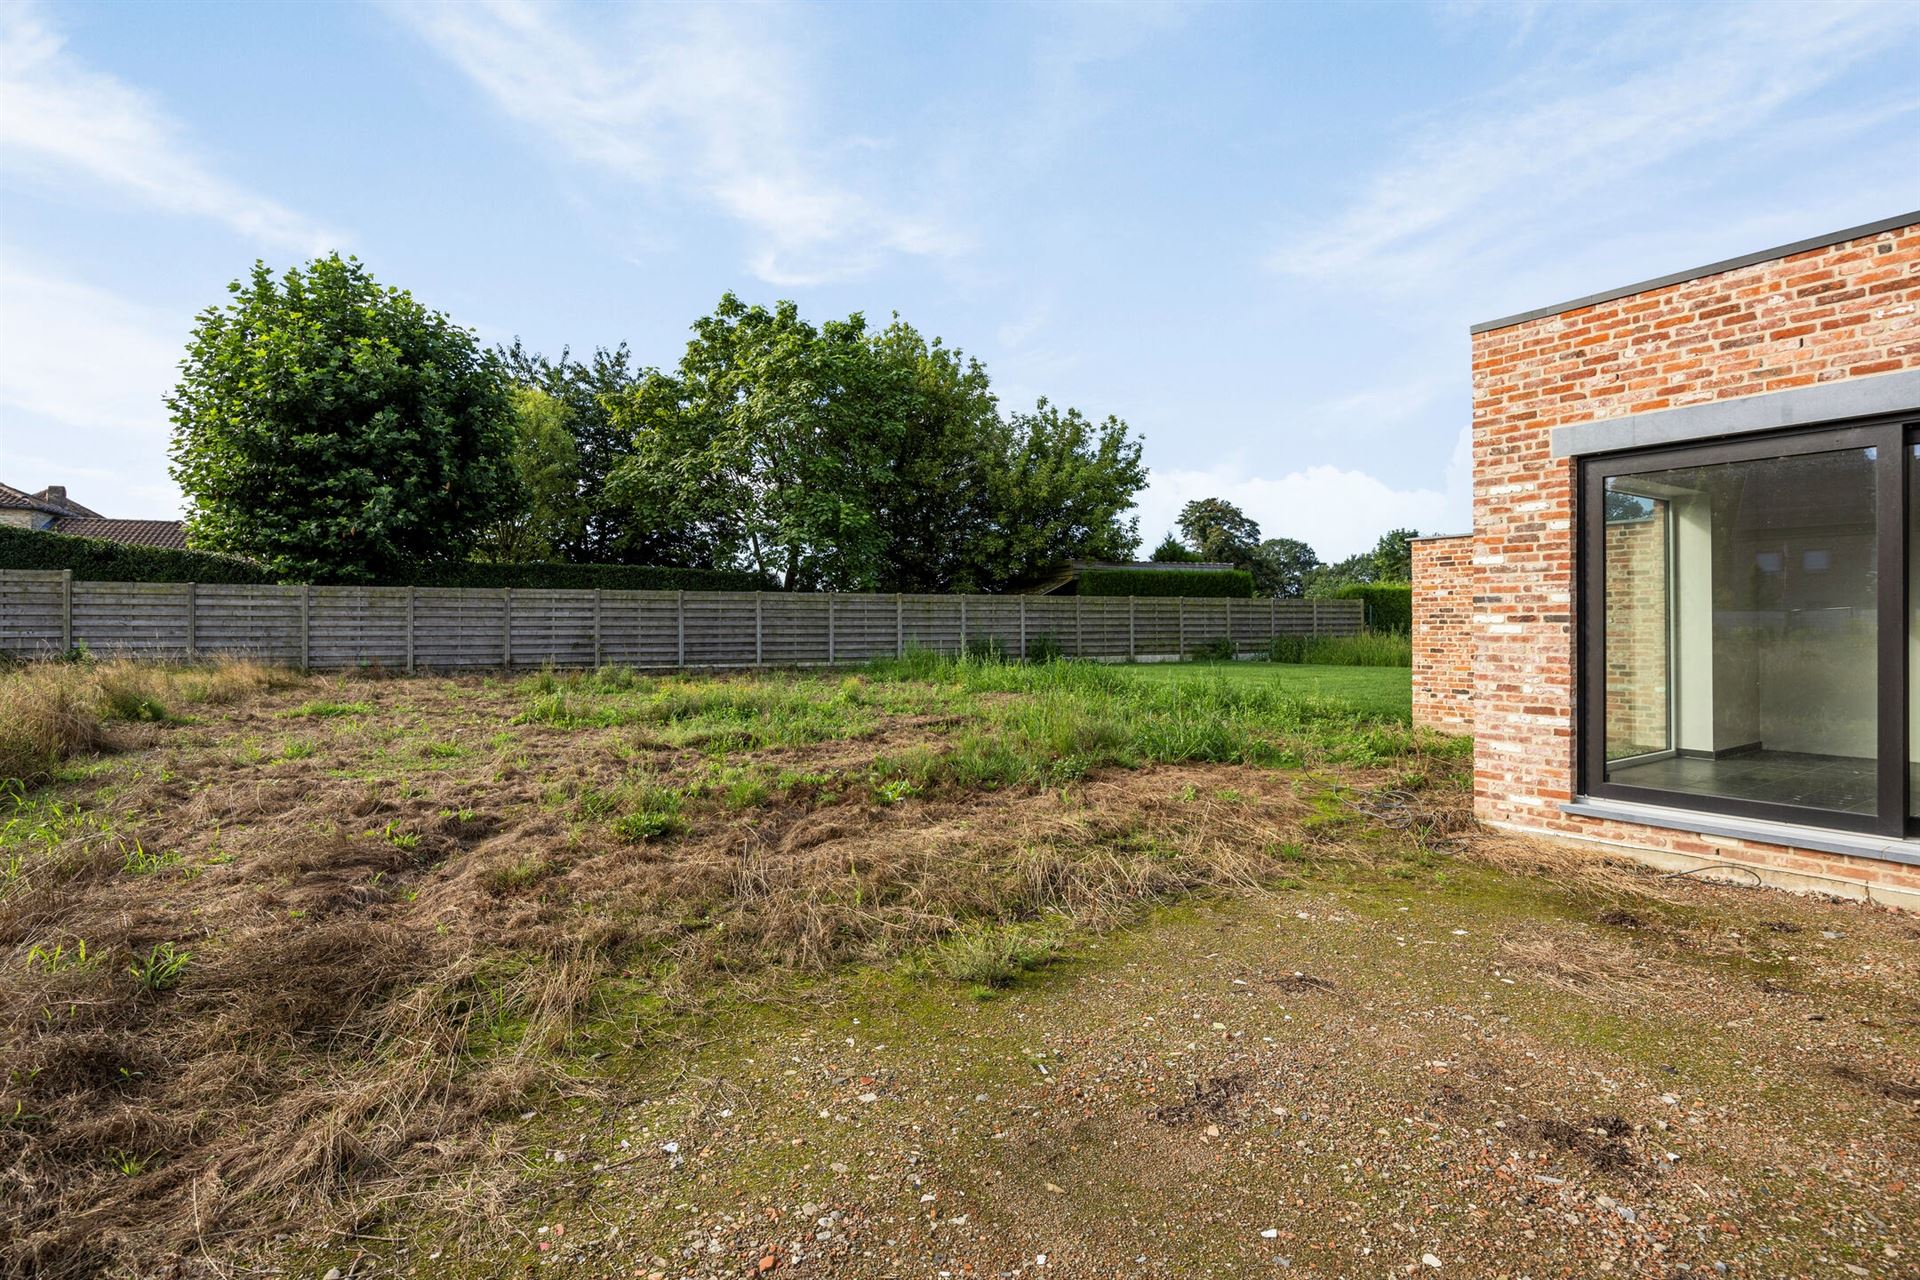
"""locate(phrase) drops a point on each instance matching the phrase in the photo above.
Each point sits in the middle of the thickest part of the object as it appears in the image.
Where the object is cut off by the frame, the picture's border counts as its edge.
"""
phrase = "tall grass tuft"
(1368, 649)
(52, 710)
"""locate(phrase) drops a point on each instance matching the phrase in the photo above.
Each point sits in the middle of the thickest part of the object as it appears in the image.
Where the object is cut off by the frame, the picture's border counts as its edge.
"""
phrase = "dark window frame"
(1890, 435)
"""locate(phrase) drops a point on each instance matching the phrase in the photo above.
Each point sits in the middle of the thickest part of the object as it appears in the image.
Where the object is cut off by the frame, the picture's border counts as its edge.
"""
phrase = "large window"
(1745, 633)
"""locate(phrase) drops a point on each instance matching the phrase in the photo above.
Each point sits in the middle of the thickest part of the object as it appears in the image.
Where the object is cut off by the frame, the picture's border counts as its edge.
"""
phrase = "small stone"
(1428, 1260)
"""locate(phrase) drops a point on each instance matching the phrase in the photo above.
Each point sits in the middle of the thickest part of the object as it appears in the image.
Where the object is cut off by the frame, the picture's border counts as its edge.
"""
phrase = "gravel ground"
(1463, 1073)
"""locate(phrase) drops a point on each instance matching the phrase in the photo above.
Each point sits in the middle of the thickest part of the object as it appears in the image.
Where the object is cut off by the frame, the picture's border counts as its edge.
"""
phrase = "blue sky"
(1256, 232)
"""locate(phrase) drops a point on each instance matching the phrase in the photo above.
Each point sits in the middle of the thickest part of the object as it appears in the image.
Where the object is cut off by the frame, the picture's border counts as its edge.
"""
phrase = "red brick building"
(1687, 620)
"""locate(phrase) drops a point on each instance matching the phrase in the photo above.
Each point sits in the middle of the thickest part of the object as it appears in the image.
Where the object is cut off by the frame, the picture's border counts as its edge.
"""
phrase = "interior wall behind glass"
(1771, 595)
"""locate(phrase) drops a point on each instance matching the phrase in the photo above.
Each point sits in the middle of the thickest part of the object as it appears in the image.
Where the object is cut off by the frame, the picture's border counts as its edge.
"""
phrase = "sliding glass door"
(1744, 640)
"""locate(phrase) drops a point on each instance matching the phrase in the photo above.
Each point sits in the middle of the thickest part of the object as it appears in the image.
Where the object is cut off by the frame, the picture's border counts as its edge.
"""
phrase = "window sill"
(1792, 835)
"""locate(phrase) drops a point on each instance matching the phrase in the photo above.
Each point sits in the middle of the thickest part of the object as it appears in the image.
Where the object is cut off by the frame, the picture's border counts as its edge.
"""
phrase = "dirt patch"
(1599, 1140)
(1219, 1100)
(1877, 1083)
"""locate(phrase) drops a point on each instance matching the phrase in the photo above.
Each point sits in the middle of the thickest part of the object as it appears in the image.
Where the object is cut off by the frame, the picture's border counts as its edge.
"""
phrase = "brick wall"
(1637, 638)
(1844, 311)
(1443, 633)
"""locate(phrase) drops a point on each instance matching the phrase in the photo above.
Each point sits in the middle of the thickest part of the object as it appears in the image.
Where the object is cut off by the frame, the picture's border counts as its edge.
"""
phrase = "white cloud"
(1573, 141)
(83, 357)
(61, 120)
(1337, 510)
(709, 99)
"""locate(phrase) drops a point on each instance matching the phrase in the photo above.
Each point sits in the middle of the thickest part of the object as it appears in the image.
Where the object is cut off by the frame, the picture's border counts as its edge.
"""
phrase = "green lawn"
(1386, 691)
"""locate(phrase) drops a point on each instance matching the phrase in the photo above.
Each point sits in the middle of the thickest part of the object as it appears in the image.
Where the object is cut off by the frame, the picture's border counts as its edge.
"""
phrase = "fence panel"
(455, 628)
(33, 612)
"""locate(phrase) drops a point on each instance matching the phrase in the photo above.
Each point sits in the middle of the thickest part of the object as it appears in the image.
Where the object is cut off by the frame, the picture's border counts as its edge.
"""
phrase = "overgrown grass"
(1368, 649)
(50, 711)
(328, 988)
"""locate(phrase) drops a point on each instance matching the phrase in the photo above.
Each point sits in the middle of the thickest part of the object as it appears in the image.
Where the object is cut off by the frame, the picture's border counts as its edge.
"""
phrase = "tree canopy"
(1219, 531)
(335, 430)
(834, 457)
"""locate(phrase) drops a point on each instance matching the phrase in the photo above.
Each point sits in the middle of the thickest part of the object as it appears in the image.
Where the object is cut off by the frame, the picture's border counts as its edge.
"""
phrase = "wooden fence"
(47, 613)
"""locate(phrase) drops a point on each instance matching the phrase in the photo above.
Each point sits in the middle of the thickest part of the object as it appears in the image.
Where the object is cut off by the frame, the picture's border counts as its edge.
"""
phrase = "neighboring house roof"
(72, 518)
(20, 500)
(56, 496)
(139, 533)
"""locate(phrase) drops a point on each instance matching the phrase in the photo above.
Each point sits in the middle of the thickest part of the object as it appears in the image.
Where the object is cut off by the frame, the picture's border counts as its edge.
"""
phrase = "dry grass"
(50, 711)
(388, 939)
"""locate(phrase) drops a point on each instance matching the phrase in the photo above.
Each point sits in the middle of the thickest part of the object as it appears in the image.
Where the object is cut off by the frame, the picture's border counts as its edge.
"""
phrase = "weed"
(653, 813)
(1218, 650)
(995, 956)
(139, 862)
(161, 968)
(60, 958)
(299, 749)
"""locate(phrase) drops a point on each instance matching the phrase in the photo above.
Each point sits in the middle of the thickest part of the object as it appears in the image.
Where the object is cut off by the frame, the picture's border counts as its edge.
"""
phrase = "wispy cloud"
(1338, 510)
(1582, 131)
(54, 333)
(708, 100)
(61, 120)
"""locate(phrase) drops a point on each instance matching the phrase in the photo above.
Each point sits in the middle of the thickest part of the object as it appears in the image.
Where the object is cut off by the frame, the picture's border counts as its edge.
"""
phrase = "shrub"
(1045, 648)
(1389, 604)
(1234, 583)
(1216, 650)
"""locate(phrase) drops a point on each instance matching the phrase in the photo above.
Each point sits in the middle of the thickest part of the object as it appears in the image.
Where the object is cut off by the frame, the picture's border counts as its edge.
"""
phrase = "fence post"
(596, 628)
(1273, 619)
(1133, 648)
(899, 626)
(680, 629)
(411, 593)
(1079, 626)
(831, 597)
(506, 628)
(1023, 628)
(1314, 622)
(192, 594)
(66, 612)
(306, 626)
(1180, 607)
(759, 630)
(963, 626)
(1231, 642)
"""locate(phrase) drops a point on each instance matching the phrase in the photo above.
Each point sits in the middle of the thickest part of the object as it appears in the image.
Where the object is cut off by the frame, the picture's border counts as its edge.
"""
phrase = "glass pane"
(1913, 629)
(1742, 598)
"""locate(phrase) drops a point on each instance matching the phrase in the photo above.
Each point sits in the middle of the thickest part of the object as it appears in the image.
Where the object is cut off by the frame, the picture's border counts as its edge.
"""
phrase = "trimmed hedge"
(97, 560)
(1389, 604)
(1234, 583)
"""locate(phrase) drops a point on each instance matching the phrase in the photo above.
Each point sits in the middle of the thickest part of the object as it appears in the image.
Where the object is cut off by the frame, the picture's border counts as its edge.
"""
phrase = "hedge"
(98, 560)
(1236, 583)
(1389, 604)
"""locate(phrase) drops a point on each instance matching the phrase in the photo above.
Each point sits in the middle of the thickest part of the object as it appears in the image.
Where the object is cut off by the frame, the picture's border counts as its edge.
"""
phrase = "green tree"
(1219, 531)
(1172, 550)
(1283, 567)
(1059, 487)
(546, 461)
(1393, 556)
(599, 527)
(334, 429)
(764, 446)
(836, 457)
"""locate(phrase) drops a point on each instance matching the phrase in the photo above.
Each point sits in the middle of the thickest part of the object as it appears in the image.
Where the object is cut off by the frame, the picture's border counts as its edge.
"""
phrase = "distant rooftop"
(50, 510)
